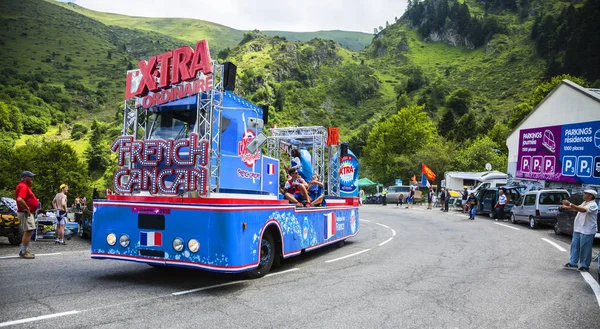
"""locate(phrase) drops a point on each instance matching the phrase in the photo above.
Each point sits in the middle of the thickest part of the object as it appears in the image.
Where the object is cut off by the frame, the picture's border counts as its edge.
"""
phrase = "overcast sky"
(286, 15)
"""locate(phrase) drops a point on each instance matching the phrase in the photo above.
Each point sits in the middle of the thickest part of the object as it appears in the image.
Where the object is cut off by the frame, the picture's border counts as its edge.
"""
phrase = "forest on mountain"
(444, 84)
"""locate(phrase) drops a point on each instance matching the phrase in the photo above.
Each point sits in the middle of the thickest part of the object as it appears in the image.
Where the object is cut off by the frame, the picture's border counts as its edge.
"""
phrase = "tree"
(459, 101)
(446, 125)
(54, 163)
(466, 128)
(481, 151)
(97, 154)
(393, 139)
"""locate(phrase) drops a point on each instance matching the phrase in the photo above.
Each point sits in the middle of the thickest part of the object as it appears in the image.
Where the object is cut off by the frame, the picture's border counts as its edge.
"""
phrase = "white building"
(558, 143)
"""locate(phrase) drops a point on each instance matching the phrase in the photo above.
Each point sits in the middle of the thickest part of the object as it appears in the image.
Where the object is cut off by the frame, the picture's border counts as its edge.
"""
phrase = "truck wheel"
(266, 256)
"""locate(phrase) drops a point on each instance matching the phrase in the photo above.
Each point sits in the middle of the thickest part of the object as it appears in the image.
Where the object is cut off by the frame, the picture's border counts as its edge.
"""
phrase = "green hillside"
(218, 36)
(442, 85)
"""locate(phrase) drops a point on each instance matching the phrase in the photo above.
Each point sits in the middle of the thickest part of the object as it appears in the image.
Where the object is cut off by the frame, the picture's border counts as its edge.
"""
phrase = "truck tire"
(267, 254)
(16, 238)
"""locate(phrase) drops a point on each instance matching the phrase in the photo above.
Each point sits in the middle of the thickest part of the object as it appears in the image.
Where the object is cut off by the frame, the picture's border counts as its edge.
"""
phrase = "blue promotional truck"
(199, 176)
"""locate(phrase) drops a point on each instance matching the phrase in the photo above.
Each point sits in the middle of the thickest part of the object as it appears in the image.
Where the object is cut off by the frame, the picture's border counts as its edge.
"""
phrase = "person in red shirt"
(27, 204)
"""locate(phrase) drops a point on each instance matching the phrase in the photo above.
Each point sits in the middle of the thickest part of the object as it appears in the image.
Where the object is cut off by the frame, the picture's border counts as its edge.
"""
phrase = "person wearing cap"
(584, 230)
(27, 204)
(60, 204)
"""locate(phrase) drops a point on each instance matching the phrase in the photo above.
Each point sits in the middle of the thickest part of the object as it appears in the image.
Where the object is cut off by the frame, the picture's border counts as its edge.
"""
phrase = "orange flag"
(428, 172)
(414, 179)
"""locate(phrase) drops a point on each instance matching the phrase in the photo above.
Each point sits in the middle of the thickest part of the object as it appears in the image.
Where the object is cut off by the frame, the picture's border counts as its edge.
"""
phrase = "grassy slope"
(189, 30)
(218, 36)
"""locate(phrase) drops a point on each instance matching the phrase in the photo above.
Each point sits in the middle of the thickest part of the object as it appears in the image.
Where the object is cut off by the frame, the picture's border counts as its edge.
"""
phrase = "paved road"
(408, 268)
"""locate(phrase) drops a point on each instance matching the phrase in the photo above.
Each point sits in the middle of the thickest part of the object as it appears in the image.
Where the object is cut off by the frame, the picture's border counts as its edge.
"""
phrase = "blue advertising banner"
(568, 153)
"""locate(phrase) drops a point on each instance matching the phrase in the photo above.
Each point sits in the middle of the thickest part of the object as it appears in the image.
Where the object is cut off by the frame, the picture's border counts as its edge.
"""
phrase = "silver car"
(538, 207)
(394, 191)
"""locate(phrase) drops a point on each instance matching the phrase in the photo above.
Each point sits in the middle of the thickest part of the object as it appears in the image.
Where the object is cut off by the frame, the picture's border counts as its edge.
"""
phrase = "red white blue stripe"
(151, 239)
(329, 225)
(270, 169)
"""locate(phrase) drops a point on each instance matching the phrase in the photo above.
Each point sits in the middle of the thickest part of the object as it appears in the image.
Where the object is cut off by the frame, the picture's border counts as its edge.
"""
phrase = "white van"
(488, 184)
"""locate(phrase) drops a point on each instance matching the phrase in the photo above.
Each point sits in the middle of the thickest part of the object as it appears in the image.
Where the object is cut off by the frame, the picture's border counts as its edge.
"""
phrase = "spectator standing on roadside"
(78, 203)
(501, 205)
(84, 201)
(442, 198)
(361, 196)
(27, 204)
(411, 197)
(465, 196)
(472, 202)
(584, 230)
(384, 196)
(429, 198)
(446, 200)
(60, 204)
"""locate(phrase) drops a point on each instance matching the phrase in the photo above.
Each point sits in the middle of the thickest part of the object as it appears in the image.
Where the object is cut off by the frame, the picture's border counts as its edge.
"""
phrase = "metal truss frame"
(314, 137)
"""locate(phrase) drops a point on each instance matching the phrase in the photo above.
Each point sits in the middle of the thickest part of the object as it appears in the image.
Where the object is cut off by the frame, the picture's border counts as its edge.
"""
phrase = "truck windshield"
(171, 124)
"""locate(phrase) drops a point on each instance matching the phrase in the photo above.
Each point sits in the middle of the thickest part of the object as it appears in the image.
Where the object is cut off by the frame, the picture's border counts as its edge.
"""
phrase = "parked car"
(10, 226)
(538, 207)
(488, 198)
(566, 218)
(394, 191)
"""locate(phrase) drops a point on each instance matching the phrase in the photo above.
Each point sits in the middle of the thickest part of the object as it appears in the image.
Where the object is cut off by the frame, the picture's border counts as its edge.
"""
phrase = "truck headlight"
(124, 240)
(178, 244)
(193, 245)
(111, 239)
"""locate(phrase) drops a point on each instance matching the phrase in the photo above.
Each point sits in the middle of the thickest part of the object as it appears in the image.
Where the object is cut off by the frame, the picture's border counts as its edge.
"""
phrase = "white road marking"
(37, 318)
(593, 284)
(365, 220)
(36, 255)
(282, 272)
(554, 244)
(383, 226)
(514, 228)
(393, 232)
(179, 293)
(386, 241)
(344, 257)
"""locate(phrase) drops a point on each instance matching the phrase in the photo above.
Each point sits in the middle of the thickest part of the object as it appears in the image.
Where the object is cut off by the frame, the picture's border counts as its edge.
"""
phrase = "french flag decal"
(151, 239)
(270, 169)
(329, 225)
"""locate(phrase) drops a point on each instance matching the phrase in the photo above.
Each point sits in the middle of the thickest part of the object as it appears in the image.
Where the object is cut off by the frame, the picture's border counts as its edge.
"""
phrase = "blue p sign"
(568, 167)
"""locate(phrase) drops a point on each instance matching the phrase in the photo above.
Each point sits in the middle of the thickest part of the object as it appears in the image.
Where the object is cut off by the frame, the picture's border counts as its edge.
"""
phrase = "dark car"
(566, 218)
(489, 196)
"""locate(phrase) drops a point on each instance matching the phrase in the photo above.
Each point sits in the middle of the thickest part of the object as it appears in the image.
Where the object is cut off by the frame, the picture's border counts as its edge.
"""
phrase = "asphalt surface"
(407, 268)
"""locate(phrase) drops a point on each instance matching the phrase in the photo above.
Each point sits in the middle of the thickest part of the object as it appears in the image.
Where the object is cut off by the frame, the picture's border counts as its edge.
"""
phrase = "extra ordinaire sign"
(568, 153)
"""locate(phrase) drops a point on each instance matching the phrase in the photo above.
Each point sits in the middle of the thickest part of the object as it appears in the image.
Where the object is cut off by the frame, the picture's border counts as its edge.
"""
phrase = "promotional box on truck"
(194, 187)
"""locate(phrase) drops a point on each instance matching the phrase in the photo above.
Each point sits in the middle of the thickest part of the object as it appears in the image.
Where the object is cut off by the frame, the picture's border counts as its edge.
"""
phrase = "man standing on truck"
(27, 204)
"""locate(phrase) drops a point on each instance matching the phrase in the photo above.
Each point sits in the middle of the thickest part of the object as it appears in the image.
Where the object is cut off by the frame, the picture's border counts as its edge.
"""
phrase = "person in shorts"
(296, 189)
(60, 204)
(27, 204)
